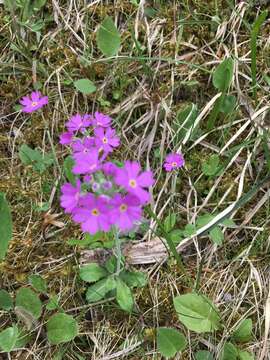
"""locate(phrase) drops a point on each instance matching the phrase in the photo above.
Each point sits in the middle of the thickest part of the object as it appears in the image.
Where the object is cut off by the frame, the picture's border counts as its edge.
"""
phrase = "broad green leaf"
(6, 302)
(203, 355)
(228, 104)
(170, 341)
(23, 339)
(85, 86)
(108, 37)
(229, 352)
(176, 236)
(39, 161)
(8, 338)
(184, 122)
(223, 74)
(228, 223)
(61, 328)
(197, 312)
(38, 283)
(169, 222)
(111, 264)
(189, 230)
(98, 291)
(92, 272)
(5, 226)
(216, 235)
(68, 165)
(124, 296)
(29, 300)
(245, 355)
(52, 303)
(203, 220)
(244, 331)
(134, 278)
(211, 166)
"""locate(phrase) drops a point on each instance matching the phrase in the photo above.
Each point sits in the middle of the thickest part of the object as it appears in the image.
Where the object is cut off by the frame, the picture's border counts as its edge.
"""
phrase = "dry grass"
(180, 45)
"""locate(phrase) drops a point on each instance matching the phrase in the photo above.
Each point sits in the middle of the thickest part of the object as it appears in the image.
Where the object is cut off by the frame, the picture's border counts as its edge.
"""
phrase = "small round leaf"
(61, 328)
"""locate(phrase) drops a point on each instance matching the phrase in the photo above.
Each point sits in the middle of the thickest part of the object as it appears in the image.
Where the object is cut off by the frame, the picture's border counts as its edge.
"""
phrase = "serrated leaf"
(245, 355)
(5, 226)
(223, 74)
(29, 300)
(85, 86)
(92, 272)
(229, 352)
(170, 341)
(6, 302)
(197, 312)
(216, 235)
(61, 328)
(203, 355)
(38, 283)
(8, 338)
(98, 291)
(243, 333)
(124, 296)
(108, 37)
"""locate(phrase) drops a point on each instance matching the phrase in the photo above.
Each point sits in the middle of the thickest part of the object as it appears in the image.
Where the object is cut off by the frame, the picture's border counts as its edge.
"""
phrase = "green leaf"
(223, 74)
(68, 165)
(38, 283)
(169, 222)
(228, 104)
(5, 226)
(124, 296)
(38, 4)
(92, 272)
(8, 338)
(189, 230)
(211, 166)
(216, 235)
(28, 300)
(5, 300)
(229, 352)
(111, 264)
(108, 37)
(243, 333)
(23, 339)
(61, 328)
(52, 303)
(197, 312)
(98, 291)
(203, 220)
(203, 355)
(176, 236)
(134, 278)
(228, 223)
(85, 86)
(36, 158)
(184, 122)
(245, 355)
(170, 341)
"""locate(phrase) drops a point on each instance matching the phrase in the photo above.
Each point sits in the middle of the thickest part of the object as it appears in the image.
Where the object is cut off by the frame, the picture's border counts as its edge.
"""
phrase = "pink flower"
(92, 214)
(101, 120)
(66, 138)
(81, 148)
(135, 183)
(106, 139)
(125, 212)
(78, 123)
(86, 163)
(70, 196)
(33, 102)
(173, 161)
(109, 168)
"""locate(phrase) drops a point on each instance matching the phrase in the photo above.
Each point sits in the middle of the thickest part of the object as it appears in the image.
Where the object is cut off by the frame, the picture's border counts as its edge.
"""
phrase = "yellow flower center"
(105, 140)
(34, 103)
(174, 164)
(132, 183)
(95, 212)
(123, 207)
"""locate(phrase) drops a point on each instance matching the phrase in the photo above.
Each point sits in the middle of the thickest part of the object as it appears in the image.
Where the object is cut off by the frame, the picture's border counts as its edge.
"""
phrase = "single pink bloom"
(92, 214)
(106, 139)
(173, 161)
(66, 138)
(135, 182)
(33, 102)
(87, 163)
(82, 147)
(78, 123)
(101, 120)
(70, 196)
(125, 211)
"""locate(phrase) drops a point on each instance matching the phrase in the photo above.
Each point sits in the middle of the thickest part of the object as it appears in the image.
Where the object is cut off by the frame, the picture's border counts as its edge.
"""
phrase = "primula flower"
(106, 139)
(173, 161)
(101, 120)
(125, 212)
(78, 123)
(86, 163)
(33, 102)
(109, 168)
(66, 138)
(92, 214)
(70, 196)
(133, 181)
(81, 148)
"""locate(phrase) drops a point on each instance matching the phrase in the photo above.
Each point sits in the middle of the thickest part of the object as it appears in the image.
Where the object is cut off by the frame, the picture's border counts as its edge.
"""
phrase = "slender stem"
(118, 251)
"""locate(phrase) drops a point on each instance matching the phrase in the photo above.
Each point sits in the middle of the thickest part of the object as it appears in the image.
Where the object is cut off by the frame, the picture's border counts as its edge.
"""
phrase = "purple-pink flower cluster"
(105, 195)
